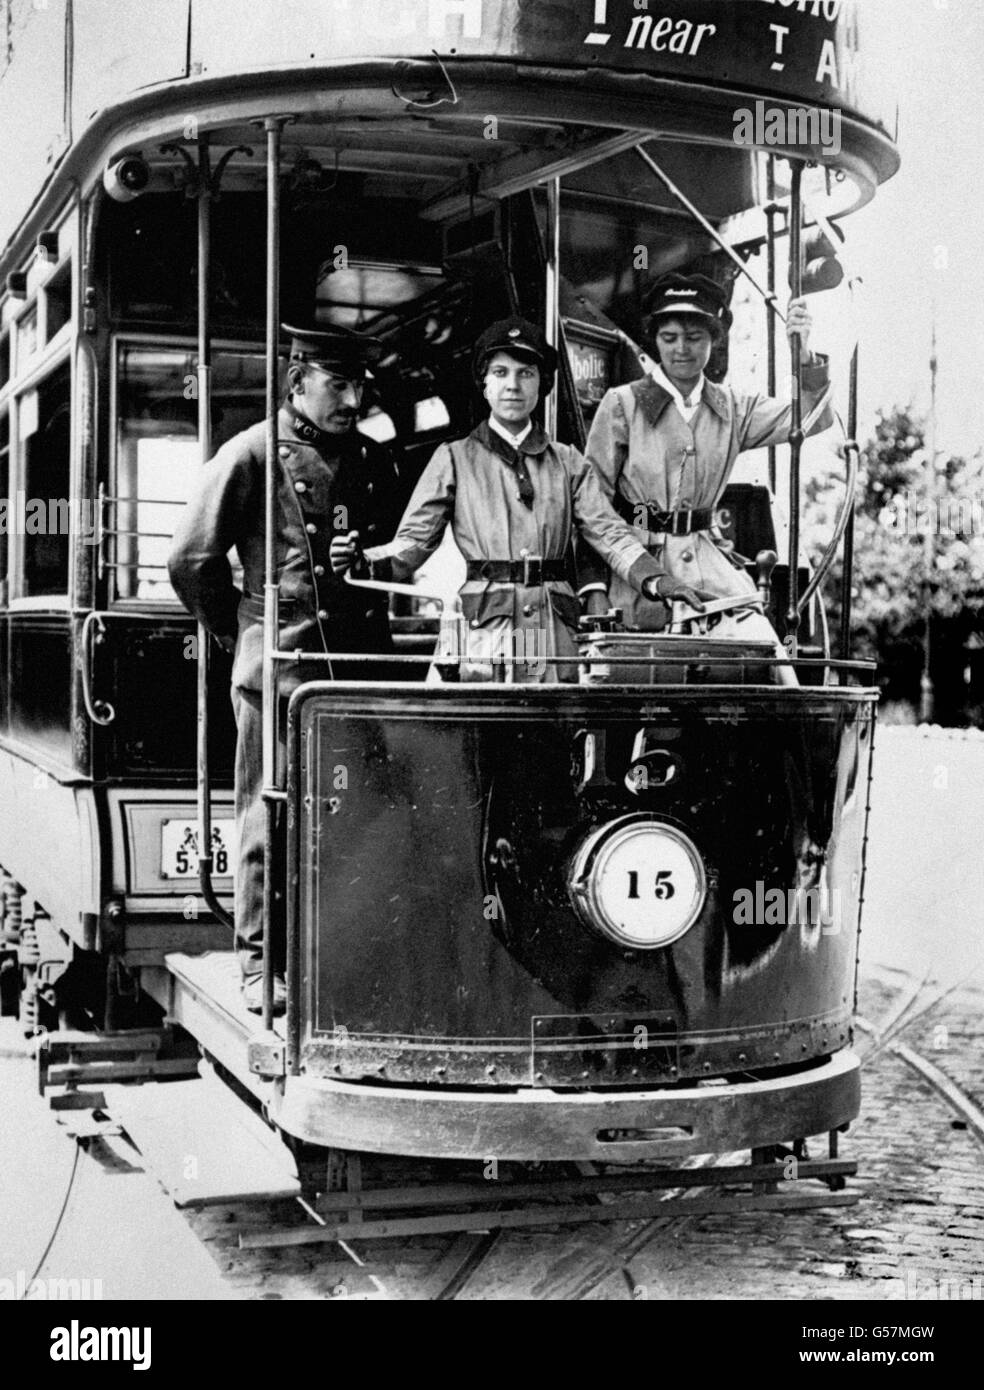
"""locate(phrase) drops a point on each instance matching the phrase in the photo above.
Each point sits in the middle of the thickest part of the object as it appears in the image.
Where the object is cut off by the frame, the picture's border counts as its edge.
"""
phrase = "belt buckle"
(532, 571)
(676, 523)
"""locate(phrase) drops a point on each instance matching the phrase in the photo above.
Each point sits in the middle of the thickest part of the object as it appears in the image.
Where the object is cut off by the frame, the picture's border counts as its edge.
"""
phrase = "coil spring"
(30, 1009)
(30, 951)
(13, 910)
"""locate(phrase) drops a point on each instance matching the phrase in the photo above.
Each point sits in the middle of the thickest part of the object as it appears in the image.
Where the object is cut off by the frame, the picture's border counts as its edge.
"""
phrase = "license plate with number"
(179, 848)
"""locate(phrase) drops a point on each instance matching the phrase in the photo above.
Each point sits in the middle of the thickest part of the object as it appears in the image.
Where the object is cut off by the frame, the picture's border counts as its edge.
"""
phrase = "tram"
(480, 959)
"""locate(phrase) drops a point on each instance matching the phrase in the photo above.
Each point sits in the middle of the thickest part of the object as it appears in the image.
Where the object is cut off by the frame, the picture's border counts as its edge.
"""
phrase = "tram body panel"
(51, 843)
(459, 820)
(40, 655)
(543, 1125)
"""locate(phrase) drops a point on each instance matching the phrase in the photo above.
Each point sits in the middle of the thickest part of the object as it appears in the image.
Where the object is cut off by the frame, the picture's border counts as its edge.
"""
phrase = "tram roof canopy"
(482, 78)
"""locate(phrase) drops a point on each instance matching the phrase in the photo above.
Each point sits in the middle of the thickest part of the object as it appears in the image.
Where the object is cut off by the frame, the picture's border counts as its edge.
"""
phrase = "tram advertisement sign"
(808, 50)
(591, 364)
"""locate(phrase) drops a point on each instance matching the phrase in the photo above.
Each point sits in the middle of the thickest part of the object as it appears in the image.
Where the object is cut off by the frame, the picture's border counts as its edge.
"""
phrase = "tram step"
(68, 1058)
(206, 998)
(204, 1145)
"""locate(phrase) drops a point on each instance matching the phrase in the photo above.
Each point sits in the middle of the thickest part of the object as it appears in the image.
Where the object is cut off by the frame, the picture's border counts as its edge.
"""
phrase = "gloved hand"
(345, 553)
(596, 603)
(670, 590)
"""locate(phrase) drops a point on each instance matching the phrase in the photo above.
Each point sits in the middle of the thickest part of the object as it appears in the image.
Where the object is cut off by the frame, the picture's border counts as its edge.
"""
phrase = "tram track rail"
(901, 1016)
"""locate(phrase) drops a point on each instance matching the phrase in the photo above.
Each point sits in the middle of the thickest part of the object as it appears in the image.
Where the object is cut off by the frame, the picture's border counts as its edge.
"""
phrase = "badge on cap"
(514, 333)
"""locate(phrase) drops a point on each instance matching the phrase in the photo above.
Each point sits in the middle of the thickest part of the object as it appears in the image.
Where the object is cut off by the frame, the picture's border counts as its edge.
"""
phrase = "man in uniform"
(331, 479)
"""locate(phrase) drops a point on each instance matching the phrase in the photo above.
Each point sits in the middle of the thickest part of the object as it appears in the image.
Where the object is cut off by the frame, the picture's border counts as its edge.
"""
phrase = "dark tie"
(523, 479)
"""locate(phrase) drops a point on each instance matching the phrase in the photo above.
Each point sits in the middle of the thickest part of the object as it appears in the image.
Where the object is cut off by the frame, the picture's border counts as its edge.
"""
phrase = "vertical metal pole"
(204, 385)
(553, 296)
(847, 572)
(771, 212)
(271, 591)
(927, 691)
(796, 423)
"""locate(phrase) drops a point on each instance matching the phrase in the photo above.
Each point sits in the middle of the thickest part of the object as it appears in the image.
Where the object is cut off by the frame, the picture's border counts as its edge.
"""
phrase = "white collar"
(659, 376)
(514, 439)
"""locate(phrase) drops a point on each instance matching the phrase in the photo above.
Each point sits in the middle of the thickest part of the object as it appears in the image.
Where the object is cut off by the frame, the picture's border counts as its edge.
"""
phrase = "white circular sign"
(639, 881)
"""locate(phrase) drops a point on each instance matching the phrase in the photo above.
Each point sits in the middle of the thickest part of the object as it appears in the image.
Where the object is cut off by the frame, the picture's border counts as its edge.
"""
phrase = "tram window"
(352, 294)
(5, 497)
(430, 414)
(45, 428)
(157, 456)
(4, 359)
(378, 425)
(153, 257)
(27, 335)
(58, 300)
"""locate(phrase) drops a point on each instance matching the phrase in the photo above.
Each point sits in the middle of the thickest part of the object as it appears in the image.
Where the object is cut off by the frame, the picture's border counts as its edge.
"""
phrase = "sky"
(920, 243)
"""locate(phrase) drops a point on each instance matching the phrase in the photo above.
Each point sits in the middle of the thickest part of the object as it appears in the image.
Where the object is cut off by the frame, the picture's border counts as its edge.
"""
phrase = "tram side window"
(5, 500)
(157, 454)
(58, 301)
(45, 429)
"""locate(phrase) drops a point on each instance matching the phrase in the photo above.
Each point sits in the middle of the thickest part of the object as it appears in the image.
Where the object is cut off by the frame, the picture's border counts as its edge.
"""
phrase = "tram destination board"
(808, 49)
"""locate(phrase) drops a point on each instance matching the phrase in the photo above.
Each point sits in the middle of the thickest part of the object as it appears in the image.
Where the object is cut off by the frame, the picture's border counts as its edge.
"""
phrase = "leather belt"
(678, 523)
(530, 572)
(681, 523)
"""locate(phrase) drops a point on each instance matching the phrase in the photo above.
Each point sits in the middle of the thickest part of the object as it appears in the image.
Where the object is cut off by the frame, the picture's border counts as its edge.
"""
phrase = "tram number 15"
(662, 889)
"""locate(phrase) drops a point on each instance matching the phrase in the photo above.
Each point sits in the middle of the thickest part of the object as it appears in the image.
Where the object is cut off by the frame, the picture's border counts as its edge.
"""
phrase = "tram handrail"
(852, 454)
(411, 659)
(99, 711)
(411, 590)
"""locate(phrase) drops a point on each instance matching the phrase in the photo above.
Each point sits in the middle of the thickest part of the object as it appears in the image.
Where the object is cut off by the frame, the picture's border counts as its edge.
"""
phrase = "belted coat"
(473, 485)
(347, 483)
(645, 452)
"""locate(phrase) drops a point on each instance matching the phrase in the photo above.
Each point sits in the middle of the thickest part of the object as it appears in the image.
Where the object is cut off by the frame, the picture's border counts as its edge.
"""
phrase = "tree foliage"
(898, 577)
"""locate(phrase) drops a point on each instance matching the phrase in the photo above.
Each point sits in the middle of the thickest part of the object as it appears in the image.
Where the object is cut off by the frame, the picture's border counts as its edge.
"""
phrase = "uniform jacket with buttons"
(349, 485)
(473, 485)
(644, 451)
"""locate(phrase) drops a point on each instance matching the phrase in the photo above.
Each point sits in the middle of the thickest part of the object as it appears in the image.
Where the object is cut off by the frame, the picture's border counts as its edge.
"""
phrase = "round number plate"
(638, 880)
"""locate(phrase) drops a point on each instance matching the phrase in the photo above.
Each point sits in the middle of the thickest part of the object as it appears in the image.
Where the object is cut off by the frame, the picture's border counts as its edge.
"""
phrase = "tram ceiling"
(459, 155)
(516, 172)
(448, 167)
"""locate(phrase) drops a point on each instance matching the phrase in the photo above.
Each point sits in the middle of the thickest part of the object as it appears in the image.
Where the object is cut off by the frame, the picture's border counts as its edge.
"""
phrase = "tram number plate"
(179, 848)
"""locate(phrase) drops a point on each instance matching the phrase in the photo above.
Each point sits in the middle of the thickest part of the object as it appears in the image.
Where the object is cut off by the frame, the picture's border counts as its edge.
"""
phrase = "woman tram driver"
(664, 448)
(513, 498)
